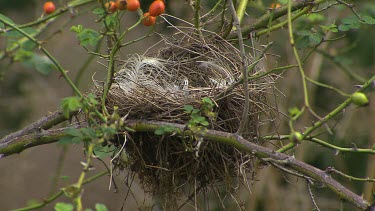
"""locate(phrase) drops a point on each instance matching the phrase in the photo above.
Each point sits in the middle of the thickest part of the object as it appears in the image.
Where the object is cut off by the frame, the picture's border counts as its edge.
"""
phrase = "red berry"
(49, 7)
(111, 6)
(132, 5)
(148, 20)
(121, 4)
(157, 8)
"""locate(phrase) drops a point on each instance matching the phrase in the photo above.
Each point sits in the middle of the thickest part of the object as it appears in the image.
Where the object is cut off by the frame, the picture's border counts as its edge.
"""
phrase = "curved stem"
(58, 194)
(39, 45)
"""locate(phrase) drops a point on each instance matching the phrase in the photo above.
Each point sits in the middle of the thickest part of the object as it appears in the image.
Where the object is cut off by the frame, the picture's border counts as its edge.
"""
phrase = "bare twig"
(245, 113)
(312, 196)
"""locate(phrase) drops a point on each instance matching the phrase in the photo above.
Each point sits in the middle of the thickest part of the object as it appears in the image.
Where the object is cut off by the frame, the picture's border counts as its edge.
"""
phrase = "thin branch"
(349, 177)
(263, 21)
(244, 64)
(58, 194)
(312, 196)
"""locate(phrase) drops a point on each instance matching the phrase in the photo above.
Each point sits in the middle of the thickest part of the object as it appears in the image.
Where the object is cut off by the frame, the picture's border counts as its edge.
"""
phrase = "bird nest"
(158, 86)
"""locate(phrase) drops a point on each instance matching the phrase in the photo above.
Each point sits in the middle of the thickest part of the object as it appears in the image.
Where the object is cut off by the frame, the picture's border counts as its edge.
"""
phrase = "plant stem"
(58, 194)
(54, 61)
(245, 112)
(241, 9)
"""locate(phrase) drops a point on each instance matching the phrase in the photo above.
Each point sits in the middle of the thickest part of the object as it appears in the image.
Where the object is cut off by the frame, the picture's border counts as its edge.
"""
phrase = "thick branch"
(44, 137)
(44, 123)
(20, 143)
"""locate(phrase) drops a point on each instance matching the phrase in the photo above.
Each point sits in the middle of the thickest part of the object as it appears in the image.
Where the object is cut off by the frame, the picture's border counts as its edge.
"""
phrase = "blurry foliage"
(16, 5)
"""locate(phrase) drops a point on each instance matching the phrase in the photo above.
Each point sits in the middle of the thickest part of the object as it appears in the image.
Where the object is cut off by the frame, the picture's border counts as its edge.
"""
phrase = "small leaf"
(73, 132)
(89, 133)
(99, 11)
(70, 104)
(2, 25)
(100, 207)
(159, 131)
(111, 21)
(315, 38)
(205, 123)
(103, 152)
(188, 108)
(92, 99)
(64, 177)
(368, 20)
(42, 64)
(293, 111)
(77, 29)
(60, 206)
(208, 101)
(349, 23)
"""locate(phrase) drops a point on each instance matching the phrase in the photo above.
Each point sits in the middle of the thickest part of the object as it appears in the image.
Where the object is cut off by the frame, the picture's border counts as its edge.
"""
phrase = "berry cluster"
(149, 18)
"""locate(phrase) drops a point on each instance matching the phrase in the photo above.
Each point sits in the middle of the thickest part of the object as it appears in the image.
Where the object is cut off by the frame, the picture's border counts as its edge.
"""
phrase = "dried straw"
(158, 86)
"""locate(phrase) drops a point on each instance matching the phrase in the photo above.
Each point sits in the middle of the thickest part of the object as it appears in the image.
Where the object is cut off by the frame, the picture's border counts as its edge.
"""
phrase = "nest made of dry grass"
(157, 86)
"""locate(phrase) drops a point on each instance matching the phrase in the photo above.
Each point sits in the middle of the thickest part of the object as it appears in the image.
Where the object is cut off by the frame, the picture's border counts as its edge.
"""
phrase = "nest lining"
(157, 87)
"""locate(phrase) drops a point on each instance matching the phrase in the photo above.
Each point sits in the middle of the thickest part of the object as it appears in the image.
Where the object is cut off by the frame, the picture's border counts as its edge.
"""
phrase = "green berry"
(359, 99)
(296, 137)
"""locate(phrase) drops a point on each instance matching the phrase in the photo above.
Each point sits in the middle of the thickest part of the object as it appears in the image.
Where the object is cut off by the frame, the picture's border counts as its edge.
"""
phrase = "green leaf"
(99, 11)
(159, 131)
(188, 108)
(307, 38)
(315, 17)
(100, 207)
(92, 99)
(302, 42)
(293, 111)
(60, 206)
(89, 133)
(88, 37)
(332, 28)
(315, 38)
(208, 101)
(349, 23)
(64, 177)
(69, 140)
(73, 132)
(368, 20)
(205, 123)
(23, 55)
(70, 104)
(76, 29)
(111, 21)
(103, 152)
(42, 64)
(2, 25)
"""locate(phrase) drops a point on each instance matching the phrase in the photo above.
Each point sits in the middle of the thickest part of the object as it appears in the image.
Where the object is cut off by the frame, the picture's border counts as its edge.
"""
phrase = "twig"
(58, 194)
(351, 7)
(331, 169)
(322, 143)
(312, 196)
(262, 22)
(245, 113)
(249, 69)
(71, 4)
(47, 53)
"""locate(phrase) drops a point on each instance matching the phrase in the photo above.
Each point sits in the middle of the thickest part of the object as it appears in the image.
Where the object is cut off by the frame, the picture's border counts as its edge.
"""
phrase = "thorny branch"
(19, 144)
